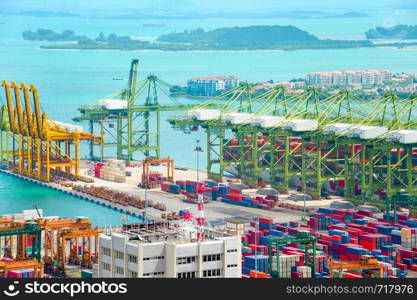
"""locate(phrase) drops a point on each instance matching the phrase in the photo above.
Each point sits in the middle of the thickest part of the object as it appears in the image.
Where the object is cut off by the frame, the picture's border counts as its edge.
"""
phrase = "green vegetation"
(234, 38)
(255, 38)
(402, 32)
(50, 35)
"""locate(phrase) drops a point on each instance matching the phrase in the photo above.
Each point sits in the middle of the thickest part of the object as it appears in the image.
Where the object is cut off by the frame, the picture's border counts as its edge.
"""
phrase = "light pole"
(146, 207)
(303, 170)
(198, 149)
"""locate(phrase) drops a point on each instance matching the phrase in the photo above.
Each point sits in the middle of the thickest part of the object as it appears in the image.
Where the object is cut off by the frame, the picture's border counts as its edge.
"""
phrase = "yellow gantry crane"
(40, 147)
(366, 262)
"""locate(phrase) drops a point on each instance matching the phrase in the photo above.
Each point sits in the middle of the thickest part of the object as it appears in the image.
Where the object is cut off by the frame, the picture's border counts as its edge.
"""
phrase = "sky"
(193, 5)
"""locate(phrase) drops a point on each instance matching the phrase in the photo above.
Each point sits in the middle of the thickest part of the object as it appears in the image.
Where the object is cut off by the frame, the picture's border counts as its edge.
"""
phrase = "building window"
(185, 260)
(133, 259)
(231, 250)
(106, 267)
(153, 274)
(119, 270)
(212, 257)
(133, 274)
(119, 255)
(105, 251)
(186, 275)
(153, 258)
(232, 266)
(211, 273)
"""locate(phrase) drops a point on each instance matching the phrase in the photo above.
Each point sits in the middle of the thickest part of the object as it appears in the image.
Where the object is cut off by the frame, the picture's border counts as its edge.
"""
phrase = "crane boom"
(22, 127)
(28, 110)
(36, 104)
(10, 107)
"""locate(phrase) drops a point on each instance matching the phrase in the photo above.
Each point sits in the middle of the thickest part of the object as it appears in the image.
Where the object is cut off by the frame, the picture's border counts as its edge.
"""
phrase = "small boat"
(118, 78)
(153, 25)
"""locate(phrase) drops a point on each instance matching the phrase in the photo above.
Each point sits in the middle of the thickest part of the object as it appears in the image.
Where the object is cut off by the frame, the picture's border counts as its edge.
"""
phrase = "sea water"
(17, 195)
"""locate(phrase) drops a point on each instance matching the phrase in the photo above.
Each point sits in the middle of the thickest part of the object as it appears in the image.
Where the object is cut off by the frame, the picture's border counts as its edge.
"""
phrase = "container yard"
(310, 186)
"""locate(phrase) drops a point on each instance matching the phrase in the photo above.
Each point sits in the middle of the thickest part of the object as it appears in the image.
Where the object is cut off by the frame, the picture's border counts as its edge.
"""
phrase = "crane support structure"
(368, 263)
(23, 231)
(129, 119)
(329, 144)
(302, 238)
(34, 145)
(22, 265)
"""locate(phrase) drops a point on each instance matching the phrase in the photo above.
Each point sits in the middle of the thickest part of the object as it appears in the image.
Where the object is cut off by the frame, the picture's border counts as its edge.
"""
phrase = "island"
(399, 32)
(231, 38)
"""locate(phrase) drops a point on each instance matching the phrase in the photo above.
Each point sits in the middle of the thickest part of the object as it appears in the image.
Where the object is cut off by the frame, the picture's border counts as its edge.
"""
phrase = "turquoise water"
(17, 195)
(69, 79)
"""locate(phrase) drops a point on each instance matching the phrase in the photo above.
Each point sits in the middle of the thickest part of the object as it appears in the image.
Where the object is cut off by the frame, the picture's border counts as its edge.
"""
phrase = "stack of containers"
(97, 169)
(190, 186)
(286, 264)
(408, 238)
(114, 170)
(165, 186)
(374, 241)
(257, 263)
(175, 189)
(254, 237)
(265, 225)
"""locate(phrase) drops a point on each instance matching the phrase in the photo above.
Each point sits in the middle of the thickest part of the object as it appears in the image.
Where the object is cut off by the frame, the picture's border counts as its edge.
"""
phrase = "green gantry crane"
(332, 152)
(31, 229)
(129, 123)
(302, 238)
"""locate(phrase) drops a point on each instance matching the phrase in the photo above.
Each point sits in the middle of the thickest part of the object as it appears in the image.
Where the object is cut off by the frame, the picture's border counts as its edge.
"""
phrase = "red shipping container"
(413, 268)
(266, 220)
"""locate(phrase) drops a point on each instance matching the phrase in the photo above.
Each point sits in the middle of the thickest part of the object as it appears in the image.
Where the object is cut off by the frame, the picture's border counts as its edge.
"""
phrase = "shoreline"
(227, 50)
(131, 211)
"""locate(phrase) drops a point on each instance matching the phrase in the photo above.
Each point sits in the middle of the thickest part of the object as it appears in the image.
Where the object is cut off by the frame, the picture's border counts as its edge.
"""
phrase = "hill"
(402, 32)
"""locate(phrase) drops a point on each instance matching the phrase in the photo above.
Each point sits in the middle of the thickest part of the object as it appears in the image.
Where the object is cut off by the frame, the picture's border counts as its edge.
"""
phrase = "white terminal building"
(169, 253)
(357, 77)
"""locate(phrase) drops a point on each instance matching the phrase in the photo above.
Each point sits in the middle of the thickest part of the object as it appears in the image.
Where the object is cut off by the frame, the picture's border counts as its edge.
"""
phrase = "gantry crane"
(146, 171)
(331, 151)
(130, 124)
(367, 264)
(23, 231)
(40, 146)
(87, 239)
(58, 233)
(22, 265)
(302, 238)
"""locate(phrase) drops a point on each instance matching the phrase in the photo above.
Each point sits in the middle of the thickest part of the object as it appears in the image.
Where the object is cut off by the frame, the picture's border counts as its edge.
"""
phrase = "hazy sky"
(190, 5)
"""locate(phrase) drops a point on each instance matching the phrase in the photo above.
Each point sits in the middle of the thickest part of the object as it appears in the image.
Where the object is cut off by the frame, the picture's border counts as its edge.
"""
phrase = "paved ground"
(213, 210)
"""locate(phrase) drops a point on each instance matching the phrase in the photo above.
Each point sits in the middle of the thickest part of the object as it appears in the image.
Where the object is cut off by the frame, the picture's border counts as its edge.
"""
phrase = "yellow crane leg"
(77, 155)
(29, 154)
(48, 165)
(39, 163)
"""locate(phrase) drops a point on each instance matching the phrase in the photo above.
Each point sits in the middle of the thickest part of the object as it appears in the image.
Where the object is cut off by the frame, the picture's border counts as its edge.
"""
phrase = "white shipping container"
(302, 125)
(113, 104)
(403, 136)
(337, 128)
(268, 121)
(204, 114)
(238, 118)
(369, 132)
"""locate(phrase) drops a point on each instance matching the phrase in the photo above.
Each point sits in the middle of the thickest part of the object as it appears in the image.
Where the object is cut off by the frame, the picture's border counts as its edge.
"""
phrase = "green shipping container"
(86, 274)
